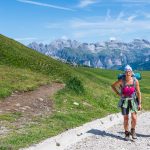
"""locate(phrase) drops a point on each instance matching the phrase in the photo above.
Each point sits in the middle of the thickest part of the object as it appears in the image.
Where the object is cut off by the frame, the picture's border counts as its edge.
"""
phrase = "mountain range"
(111, 54)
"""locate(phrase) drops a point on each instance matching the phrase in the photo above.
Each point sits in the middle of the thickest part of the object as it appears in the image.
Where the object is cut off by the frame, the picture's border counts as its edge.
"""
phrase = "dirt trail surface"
(101, 134)
(31, 103)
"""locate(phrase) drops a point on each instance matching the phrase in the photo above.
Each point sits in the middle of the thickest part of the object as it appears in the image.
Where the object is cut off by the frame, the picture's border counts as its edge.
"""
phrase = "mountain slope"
(13, 53)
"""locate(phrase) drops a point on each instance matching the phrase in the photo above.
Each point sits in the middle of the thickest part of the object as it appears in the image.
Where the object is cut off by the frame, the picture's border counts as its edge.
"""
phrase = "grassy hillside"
(15, 54)
(24, 69)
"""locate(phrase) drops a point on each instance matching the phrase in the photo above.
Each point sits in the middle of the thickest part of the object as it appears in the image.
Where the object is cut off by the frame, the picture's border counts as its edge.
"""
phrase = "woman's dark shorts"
(125, 111)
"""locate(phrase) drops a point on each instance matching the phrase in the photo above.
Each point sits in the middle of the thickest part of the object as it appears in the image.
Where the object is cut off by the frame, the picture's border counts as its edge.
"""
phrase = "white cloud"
(131, 18)
(111, 25)
(121, 25)
(85, 3)
(112, 38)
(107, 28)
(64, 37)
(121, 15)
(108, 15)
(45, 5)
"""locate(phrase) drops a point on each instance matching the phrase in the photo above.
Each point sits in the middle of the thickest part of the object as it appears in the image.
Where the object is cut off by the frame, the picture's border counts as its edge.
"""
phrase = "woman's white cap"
(127, 68)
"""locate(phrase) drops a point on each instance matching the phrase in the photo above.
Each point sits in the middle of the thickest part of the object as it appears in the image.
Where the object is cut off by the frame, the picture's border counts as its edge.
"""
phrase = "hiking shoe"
(127, 135)
(133, 134)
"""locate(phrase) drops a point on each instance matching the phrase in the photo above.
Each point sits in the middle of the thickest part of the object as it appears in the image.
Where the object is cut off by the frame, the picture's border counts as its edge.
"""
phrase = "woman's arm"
(115, 85)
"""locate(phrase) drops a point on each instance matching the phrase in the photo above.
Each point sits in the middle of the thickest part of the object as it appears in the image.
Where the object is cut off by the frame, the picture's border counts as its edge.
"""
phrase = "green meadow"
(23, 69)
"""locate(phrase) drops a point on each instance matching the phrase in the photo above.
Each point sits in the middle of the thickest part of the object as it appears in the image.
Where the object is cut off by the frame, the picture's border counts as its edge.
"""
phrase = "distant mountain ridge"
(109, 55)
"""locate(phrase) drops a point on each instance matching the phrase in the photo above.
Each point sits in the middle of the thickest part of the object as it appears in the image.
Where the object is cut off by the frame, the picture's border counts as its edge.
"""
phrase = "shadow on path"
(104, 133)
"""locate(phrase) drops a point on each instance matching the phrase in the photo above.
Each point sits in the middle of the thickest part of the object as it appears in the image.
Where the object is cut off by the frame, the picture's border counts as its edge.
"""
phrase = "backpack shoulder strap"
(134, 82)
(124, 81)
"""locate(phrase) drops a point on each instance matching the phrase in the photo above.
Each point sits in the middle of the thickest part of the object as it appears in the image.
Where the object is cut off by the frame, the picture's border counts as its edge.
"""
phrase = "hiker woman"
(130, 100)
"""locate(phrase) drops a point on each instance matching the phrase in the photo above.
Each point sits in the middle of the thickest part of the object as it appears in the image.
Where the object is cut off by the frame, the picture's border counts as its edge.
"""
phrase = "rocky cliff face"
(109, 55)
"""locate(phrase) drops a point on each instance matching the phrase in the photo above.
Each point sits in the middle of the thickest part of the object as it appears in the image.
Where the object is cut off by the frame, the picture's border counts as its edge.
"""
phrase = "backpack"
(135, 75)
(134, 84)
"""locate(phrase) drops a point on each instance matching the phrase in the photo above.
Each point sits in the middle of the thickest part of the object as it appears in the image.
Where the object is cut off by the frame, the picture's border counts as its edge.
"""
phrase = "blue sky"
(82, 20)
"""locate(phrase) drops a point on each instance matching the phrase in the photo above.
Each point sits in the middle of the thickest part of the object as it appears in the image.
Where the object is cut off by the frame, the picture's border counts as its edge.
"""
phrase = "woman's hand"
(119, 94)
(139, 107)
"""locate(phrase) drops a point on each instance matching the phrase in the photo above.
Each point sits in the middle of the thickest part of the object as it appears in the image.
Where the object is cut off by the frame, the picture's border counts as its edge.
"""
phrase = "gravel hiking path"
(101, 134)
(113, 138)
